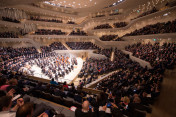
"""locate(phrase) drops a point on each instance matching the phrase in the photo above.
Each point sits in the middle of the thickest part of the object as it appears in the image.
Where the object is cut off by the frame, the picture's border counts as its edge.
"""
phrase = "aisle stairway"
(68, 48)
(166, 104)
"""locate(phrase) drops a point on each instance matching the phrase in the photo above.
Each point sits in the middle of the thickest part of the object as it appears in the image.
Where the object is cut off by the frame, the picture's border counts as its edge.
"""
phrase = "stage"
(80, 56)
(68, 77)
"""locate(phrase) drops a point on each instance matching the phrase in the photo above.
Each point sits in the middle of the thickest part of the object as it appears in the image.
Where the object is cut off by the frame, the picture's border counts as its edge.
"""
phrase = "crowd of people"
(159, 28)
(108, 37)
(119, 39)
(95, 66)
(49, 32)
(120, 24)
(160, 57)
(53, 46)
(114, 14)
(78, 32)
(129, 89)
(17, 91)
(98, 16)
(45, 20)
(7, 53)
(71, 22)
(106, 52)
(103, 26)
(146, 13)
(132, 90)
(81, 45)
(8, 35)
(10, 20)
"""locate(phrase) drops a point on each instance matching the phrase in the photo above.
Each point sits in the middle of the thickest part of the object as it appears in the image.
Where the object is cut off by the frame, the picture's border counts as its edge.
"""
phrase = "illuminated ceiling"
(79, 3)
(74, 3)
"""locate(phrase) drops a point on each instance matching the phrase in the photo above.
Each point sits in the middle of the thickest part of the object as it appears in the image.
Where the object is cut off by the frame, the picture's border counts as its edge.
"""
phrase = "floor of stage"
(68, 77)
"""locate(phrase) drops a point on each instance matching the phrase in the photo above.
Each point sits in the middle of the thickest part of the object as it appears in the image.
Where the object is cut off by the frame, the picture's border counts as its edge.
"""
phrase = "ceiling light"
(64, 1)
(95, 3)
(73, 2)
(85, 5)
(79, 4)
(91, 0)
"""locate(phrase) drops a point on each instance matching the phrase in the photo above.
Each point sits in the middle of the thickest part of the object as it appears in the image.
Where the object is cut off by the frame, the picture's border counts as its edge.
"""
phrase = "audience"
(146, 13)
(71, 22)
(114, 14)
(160, 57)
(120, 24)
(78, 32)
(98, 16)
(103, 26)
(7, 53)
(81, 45)
(10, 20)
(106, 52)
(159, 28)
(45, 20)
(86, 110)
(8, 35)
(52, 47)
(128, 90)
(108, 37)
(49, 32)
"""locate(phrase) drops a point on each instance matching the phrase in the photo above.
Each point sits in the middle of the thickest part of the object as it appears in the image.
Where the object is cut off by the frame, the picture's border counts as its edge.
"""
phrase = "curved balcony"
(161, 16)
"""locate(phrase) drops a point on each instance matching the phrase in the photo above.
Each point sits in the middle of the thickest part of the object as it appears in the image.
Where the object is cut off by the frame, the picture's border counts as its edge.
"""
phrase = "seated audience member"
(5, 106)
(136, 105)
(27, 111)
(65, 85)
(85, 111)
(53, 82)
(158, 28)
(3, 84)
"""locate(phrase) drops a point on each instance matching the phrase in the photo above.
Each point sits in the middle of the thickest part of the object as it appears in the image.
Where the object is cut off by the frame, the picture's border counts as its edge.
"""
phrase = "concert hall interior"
(87, 58)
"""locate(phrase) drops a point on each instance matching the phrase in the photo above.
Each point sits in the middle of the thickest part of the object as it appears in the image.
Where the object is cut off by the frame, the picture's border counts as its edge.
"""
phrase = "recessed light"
(73, 2)
(79, 4)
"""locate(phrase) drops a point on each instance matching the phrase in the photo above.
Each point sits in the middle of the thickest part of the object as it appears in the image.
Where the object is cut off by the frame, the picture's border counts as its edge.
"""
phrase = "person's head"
(144, 94)
(85, 105)
(136, 100)
(5, 103)
(52, 79)
(13, 82)
(65, 83)
(25, 110)
(126, 100)
(72, 84)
